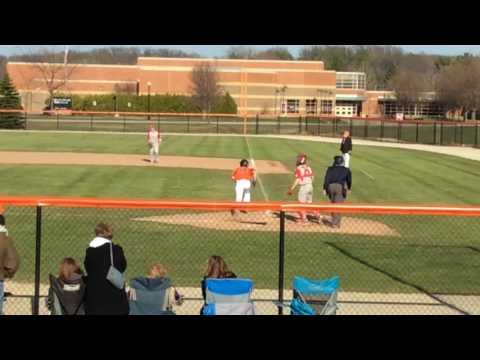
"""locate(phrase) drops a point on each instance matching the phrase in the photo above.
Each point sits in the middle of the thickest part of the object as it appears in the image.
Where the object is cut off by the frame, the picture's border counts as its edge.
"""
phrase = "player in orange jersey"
(244, 178)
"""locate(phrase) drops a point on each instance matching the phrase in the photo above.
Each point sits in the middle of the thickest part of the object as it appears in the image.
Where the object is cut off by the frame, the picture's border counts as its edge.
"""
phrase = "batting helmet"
(301, 159)
(244, 162)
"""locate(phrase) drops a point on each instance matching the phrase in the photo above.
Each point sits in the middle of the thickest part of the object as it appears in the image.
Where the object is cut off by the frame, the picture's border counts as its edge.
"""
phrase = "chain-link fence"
(438, 132)
(391, 260)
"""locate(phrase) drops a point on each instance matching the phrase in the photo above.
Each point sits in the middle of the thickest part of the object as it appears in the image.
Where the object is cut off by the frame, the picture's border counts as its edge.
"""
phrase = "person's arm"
(121, 261)
(294, 185)
(350, 146)
(349, 180)
(12, 262)
(326, 181)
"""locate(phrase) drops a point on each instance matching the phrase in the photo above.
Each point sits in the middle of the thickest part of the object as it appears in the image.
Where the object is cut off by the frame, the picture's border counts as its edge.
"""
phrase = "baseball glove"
(254, 183)
(289, 192)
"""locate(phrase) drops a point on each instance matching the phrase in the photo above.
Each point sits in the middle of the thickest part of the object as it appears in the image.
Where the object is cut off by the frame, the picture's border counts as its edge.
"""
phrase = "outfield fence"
(390, 259)
(437, 132)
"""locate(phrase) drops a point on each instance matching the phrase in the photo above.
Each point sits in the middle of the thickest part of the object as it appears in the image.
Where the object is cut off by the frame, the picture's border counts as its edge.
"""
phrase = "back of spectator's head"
(338, 161)
(68, 267)
(157, 271)
(217, 267)
(2, 216)
(104, 230)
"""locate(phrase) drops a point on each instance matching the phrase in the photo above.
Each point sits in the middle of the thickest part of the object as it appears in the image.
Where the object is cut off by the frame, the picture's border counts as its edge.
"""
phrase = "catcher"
(304, 179)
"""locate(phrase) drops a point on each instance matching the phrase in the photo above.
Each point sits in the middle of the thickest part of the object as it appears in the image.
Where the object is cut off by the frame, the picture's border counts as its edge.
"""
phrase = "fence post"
(281, 262)
(435, 133)
(256, 124)
(278, 124)
(399, 131)
(441, 133)
(124, 123)
(351, 127)
(382, 124)
(158, 123)
(188, 124)
(38, 244)
(455, 134)
(299, 125)
(476, 134)
(217, 123)
(318, 127)
(58, 121)
(333, 127)
(416, 133)
(461, 134)
(91, 122)
(365, 132)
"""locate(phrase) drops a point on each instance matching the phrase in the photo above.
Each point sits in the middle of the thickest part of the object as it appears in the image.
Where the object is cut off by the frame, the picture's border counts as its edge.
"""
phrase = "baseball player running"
(154, 140)
(244, 178)
(304, 179)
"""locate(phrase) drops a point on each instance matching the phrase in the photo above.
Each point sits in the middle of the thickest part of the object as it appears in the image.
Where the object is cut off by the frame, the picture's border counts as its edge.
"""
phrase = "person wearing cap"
(9, 259)
(338, 181)
(304, 179)
(346, 148)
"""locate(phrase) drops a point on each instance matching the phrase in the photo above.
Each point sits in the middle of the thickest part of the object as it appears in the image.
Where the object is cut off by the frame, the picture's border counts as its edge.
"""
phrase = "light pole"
(276, 96)
(283, 100)
(149, 85)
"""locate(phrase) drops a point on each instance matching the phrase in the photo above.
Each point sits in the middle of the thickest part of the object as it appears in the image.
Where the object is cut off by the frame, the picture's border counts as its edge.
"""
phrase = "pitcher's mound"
(260, 221)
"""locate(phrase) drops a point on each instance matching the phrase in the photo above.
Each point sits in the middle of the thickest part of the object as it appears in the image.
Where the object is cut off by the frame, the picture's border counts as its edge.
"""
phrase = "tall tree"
(458, 86)
(206, 90)
(10, 100)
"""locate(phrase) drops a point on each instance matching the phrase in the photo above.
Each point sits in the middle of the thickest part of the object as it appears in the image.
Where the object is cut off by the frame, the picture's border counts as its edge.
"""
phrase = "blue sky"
(219, 50)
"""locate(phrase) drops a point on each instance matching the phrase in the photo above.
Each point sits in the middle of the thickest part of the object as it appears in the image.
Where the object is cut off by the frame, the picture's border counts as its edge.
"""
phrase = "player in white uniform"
(304, 179)
(154, 140)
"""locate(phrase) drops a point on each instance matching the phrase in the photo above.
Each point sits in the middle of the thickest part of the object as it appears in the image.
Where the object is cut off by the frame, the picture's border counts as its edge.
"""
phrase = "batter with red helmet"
(304, 179)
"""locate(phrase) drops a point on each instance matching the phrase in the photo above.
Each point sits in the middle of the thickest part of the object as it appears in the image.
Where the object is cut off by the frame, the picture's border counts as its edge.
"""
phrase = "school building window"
(293, 106)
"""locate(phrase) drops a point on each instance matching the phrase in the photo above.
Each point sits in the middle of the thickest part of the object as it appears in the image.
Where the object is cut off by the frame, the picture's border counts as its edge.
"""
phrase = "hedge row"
(139, 103)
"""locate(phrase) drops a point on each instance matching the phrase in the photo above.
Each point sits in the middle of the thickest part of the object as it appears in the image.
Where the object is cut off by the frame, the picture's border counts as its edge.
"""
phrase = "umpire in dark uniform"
(338, 180)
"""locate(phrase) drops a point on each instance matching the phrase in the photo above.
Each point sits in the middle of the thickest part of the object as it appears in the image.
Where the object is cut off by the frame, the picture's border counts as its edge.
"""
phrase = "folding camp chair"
(67, 299)
(229, 297)
(314, 297)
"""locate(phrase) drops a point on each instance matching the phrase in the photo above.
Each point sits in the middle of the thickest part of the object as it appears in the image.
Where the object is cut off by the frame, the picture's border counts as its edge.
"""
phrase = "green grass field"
(437, 254)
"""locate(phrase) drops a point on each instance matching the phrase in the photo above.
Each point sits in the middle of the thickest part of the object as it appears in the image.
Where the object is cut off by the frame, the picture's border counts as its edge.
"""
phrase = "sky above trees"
(220, 50)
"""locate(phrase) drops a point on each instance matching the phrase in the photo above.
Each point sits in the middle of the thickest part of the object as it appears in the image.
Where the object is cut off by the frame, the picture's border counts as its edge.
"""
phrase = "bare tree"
(205, 89)
(241, 52)
(53, 69)
(458, 86)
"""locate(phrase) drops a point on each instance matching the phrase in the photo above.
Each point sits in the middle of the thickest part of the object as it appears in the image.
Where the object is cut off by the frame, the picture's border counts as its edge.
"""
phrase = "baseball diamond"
(421, 263)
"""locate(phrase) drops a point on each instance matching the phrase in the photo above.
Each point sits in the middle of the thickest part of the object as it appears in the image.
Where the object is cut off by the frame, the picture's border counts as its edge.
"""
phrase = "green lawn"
(437, 254)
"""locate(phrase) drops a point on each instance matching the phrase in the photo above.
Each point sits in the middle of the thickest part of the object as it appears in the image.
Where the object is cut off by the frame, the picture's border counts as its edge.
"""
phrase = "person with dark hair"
(244, 177)
(217, 268)
(66, 293)
(9, 259)
(346, 148)
(338, 181)
(101, 296)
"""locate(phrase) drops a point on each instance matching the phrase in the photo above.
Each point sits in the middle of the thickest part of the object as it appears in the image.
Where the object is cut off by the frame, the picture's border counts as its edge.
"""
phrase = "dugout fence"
(434, 132)
(390, 259)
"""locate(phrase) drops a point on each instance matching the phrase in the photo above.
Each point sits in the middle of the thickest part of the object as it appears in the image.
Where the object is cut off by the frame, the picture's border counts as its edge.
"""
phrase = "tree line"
(452, 79)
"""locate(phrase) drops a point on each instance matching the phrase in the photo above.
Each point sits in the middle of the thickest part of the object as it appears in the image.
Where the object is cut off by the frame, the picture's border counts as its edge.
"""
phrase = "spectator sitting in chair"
(66, 293)
(153, 294)
(216, 269)
(9, 259)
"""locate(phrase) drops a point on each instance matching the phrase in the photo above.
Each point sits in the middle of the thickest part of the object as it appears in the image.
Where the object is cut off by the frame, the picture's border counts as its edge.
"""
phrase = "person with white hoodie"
(101, 296)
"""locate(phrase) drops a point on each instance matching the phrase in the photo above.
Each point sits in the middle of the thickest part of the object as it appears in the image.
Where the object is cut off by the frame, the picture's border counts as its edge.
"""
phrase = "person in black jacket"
(101, 296)
(338, 180)
(346, 148)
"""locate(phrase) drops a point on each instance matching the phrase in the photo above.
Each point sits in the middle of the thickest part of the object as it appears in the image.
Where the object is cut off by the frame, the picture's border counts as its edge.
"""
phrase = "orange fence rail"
(222, 206)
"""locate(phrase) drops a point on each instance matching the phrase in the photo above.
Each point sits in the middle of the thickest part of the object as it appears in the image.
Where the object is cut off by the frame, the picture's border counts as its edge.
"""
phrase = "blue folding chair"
(313, 297)
(229, 297)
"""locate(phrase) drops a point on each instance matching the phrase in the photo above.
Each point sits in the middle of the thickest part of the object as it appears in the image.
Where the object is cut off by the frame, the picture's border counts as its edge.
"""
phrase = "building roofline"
(72, 64)
(222, 59)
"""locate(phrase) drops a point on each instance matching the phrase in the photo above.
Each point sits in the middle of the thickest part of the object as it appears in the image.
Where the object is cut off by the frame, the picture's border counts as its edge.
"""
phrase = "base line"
(367, 174)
